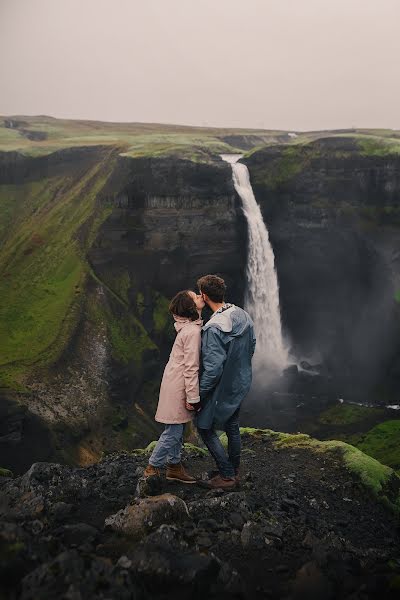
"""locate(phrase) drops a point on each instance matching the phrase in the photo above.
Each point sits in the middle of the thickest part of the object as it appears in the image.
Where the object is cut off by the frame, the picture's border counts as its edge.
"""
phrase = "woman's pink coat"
(180, 382)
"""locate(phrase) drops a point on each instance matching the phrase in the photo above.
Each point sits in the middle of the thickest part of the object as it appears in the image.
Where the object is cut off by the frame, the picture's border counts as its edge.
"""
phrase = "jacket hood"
(230, 319)
(180, 322)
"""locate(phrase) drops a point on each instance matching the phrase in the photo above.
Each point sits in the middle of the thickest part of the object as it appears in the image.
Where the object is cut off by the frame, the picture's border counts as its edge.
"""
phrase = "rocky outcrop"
(300, 526)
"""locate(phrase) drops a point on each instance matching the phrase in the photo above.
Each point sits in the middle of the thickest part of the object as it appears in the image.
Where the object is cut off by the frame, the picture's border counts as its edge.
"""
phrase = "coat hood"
(180, 322)
(230, 319)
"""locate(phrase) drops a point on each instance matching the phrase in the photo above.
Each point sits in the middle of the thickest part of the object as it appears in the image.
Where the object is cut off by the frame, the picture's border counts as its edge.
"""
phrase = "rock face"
(171, 221)
(333, 214)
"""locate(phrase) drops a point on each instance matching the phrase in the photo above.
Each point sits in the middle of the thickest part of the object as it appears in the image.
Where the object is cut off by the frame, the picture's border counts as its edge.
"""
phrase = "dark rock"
(77, 533)
(149, 513)
(148, 486)
(288, 503)
(311, 584)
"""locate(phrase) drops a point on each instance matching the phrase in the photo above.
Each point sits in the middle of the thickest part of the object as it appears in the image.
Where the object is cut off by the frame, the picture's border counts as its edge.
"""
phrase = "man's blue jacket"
(227, 347)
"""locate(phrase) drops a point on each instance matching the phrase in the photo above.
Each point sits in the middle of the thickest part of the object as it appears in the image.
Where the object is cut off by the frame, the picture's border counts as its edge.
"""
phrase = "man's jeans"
(169, 446)
(227, 465)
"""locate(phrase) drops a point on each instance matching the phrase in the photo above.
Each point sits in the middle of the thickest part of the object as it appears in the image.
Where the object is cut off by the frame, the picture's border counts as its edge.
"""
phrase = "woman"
(179, 390)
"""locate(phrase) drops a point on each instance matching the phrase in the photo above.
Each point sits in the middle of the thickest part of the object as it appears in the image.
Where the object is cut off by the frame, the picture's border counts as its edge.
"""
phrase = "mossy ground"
(374, 430)
(380, 480)
(347, 414)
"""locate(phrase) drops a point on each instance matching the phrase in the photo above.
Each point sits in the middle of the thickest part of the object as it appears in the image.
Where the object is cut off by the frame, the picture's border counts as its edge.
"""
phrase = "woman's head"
(186, 304)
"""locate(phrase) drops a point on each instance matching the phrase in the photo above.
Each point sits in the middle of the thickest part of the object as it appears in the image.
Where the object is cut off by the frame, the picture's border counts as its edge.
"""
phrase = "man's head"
(212, 288)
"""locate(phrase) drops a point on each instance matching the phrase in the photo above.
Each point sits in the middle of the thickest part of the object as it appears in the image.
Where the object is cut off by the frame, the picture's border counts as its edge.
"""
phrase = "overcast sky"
(288, 64)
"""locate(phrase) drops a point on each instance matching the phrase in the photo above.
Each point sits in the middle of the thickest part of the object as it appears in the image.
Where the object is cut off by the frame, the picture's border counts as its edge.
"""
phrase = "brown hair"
(183, 305)
(213, 286)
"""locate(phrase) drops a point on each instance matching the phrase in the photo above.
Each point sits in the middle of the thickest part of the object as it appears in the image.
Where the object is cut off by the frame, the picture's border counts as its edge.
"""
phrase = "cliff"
(333, 212)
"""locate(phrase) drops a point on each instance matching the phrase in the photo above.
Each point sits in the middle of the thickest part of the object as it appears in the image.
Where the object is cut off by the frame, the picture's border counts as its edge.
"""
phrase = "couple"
(210, 384)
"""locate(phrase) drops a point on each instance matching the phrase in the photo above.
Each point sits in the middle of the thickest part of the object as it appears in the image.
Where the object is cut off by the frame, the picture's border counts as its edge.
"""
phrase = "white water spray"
(262, 291)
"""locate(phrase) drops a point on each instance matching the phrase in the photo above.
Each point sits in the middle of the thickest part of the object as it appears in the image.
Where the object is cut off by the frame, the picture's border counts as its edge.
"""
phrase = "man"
(228, 344)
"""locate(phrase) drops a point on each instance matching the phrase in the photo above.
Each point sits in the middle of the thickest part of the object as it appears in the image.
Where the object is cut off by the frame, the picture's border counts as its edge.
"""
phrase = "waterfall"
(262, 291)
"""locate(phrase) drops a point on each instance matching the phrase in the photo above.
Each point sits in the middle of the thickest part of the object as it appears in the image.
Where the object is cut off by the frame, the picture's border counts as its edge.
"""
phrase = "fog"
(288, 64)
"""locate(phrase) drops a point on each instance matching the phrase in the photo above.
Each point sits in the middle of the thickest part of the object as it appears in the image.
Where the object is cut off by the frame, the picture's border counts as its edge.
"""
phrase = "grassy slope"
(152, 139)
(43, 269)
(42, 264)
(137, 139)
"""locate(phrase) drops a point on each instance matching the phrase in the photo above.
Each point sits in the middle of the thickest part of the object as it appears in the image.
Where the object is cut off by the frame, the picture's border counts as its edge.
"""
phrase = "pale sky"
(285, 64)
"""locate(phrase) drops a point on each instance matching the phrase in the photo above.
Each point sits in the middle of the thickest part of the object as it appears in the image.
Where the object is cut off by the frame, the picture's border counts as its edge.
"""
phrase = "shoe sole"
(180, 480)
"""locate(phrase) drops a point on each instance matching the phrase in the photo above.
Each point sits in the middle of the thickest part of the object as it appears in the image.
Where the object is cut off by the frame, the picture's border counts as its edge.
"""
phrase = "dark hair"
(183, 305)
(213, 286)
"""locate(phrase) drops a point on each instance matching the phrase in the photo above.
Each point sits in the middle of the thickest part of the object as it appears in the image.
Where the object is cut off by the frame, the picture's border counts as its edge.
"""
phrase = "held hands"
(193, 407)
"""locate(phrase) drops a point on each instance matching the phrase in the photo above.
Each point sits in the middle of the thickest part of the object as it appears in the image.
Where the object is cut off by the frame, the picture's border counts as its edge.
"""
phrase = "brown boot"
(178, 473)
(151, 471)
(224, 483)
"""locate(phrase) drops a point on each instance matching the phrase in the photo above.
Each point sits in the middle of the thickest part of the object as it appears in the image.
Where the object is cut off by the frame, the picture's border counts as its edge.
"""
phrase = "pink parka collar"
(180, 322)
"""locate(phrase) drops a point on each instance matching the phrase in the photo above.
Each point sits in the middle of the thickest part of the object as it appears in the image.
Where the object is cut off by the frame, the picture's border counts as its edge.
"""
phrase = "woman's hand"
(196, 407)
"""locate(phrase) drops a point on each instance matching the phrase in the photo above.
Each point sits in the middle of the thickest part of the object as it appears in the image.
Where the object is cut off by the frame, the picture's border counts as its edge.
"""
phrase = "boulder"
(137, 520)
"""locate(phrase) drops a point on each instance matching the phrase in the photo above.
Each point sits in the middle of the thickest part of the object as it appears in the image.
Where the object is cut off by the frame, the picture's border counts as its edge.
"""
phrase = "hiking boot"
(151, 471)
(223, 483)
(178, 473)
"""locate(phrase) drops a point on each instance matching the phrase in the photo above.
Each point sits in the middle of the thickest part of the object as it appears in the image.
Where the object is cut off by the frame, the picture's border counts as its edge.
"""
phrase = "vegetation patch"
(383, 443)
(5, 472)
(347, 414)
(43, 265)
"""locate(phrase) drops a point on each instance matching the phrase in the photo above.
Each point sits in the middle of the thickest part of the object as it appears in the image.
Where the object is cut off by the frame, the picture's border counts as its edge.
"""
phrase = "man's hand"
(196, 407)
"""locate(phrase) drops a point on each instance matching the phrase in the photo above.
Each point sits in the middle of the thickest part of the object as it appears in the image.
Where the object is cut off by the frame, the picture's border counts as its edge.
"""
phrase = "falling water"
(262, 292)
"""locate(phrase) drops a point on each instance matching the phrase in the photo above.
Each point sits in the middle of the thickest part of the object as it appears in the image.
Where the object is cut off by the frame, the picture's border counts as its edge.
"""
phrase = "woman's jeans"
(228, 466)
(169, 446)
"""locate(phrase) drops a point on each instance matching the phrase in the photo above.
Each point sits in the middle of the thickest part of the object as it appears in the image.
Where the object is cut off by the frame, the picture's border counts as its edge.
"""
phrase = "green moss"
(373, 146)
(190, 448)
(148, 450)
(196, 450)
(383, 443)
(5, 472)
(43, 265)
(118, 282)
(128, 338)
(397, 296)
(346, 414)
(160, 314)
(375, 476)
(140, 305)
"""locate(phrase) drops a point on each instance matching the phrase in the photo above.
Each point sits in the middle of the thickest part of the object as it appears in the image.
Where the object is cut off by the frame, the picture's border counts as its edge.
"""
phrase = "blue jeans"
(169, 446)
(228, 466)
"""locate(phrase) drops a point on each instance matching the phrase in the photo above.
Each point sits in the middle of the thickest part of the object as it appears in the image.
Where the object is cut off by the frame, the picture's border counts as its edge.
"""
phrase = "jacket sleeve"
(213, 359)
(191, 357)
